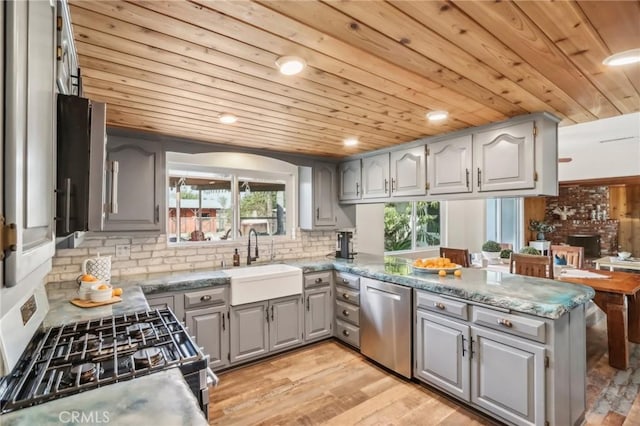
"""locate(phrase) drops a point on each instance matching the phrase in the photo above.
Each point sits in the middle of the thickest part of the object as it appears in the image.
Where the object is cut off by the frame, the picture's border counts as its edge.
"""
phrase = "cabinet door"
(249, 331)
(349, 174)
(449, 166)
(318, 314)
(408, 172)
(29, 126)
(504, 158)
(442, 354)
(210, 328)
(285, 323)
(138, 182)
(507, 376)
(324, 194)
(375, 176)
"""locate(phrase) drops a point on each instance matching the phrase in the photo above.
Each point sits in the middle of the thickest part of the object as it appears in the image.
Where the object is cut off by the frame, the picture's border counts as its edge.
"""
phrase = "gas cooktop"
(73, 358)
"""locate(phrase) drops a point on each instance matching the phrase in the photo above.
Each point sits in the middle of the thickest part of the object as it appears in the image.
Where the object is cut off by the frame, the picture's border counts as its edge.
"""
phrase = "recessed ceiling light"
(350, 142)
(437, 115)
(227, 118)
(623, 58)
(290, 65)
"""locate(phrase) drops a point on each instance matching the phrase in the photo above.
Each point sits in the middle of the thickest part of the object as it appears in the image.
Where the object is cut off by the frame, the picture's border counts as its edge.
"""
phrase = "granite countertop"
(132, 402)
(61, 311)
(529, 295)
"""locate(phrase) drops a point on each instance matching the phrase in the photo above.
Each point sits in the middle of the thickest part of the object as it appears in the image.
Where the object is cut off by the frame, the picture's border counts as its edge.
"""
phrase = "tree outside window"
(411, 225)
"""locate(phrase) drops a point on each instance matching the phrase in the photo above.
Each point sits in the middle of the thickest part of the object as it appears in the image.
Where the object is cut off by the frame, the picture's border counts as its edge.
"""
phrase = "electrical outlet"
(123, 250)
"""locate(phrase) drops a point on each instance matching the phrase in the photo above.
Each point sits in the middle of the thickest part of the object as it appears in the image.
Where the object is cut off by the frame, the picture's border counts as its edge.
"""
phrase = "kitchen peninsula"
(540, 322)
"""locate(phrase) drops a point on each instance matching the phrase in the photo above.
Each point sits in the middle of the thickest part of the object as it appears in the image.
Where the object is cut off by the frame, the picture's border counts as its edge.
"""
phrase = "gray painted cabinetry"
(29, 135)
(318, 314)
(513, 366)
(349, 176)
(347, 308)
(263, 327)
(324, 194)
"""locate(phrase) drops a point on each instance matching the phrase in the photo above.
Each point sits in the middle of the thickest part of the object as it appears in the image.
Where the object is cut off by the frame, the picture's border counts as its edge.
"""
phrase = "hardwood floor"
(328, 383)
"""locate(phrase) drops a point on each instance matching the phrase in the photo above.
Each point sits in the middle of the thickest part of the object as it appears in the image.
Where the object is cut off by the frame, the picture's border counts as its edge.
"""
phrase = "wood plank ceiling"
(374, 67)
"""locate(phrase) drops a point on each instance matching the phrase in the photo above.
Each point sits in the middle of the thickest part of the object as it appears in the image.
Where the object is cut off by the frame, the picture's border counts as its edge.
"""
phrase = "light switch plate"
(123, 250)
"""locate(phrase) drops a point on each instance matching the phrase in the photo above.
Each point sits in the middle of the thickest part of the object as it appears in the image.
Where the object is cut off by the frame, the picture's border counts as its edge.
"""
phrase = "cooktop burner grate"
(72, 358)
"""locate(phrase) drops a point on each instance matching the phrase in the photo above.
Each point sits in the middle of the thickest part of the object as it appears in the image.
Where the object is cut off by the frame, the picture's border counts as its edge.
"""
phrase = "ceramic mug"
(99, 267)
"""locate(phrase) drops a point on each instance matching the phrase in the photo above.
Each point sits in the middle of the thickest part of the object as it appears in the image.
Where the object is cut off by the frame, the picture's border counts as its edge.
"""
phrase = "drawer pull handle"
(505, 322)
(318, 280)
(345, 312)
(345, 332)
(205, 298)
(439, 305)
(345, 295)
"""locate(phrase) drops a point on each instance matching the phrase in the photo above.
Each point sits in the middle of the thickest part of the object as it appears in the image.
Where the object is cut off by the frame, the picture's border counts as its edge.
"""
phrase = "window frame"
(497, 221)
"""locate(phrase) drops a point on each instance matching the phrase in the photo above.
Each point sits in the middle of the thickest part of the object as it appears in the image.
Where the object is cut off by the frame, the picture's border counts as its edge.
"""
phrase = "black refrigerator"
(72, 177)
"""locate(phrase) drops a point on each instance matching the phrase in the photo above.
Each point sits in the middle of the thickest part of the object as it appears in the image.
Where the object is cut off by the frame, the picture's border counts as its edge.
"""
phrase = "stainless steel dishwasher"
(385, 324)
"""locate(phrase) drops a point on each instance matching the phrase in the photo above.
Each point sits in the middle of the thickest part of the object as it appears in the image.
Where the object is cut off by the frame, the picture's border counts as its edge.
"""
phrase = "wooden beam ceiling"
(374, 68)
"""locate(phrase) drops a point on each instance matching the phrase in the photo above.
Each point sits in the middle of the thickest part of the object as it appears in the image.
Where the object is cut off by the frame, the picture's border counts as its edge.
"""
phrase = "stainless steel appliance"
(76, 357)
(344, 245)
(385, 324)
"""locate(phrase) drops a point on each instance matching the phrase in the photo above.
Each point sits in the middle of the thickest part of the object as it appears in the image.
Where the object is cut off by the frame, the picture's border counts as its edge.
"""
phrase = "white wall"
(600, 149)
(370, 228)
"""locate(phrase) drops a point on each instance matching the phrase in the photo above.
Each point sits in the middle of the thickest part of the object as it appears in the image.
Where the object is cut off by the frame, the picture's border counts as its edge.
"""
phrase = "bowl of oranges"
(435, 265)
(101, 292)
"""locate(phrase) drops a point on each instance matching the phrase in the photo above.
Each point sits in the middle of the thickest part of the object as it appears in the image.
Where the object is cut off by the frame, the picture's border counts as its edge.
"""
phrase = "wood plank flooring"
(328, 383)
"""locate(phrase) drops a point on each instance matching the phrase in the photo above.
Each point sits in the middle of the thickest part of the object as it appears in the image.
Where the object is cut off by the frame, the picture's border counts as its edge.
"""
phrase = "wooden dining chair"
(574, 255)
(459, 256)
(531, 265)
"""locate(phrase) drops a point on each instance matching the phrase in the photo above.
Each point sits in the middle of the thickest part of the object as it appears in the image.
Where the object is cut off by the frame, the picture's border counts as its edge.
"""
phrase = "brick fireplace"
(584, 200)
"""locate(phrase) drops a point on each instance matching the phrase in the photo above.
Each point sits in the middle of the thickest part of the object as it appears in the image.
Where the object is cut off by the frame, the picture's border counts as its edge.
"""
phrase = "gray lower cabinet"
(347, 308)
(318, 314)
(211, 329)
(523, 369)
(262, 327)
(444, 361)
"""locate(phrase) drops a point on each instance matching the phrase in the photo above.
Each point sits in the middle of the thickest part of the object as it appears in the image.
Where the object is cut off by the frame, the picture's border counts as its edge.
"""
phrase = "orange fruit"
(457, 273)
(117, 291)
(88, 277)
(442, 272)
(103, 287)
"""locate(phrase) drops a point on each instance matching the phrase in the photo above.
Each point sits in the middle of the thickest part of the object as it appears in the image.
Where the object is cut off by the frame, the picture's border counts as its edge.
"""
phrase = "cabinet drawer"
(347, 295)
(348, 312)
(317, 279)
(207, 297)
(353, 281)
(348, 333)
(508, 323)
(441, 305)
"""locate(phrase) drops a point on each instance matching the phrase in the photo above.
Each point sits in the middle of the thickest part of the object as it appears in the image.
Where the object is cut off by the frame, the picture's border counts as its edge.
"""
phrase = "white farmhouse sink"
(257, 283)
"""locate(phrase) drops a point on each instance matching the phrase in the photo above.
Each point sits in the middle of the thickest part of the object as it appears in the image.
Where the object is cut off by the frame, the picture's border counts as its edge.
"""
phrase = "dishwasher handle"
(384, 293)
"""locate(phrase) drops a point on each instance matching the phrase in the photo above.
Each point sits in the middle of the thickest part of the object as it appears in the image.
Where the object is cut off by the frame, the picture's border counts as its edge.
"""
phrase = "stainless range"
(76, 357)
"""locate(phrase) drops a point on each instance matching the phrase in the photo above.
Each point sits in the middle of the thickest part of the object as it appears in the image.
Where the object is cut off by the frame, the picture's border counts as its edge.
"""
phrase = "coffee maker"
(344, 245)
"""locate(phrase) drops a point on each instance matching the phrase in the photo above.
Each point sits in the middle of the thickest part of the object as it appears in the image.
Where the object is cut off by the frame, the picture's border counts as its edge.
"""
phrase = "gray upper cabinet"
(67, 75)
(324, 194)
(408, 172)
(138, 185)
(29, 138)
(521, 398)
(375, 176)
(286, 323)
(449, 166)
(349, 177)
(504, 158)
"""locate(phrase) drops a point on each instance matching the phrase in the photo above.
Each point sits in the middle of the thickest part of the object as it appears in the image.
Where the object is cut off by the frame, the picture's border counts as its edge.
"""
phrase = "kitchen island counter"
(130, 402)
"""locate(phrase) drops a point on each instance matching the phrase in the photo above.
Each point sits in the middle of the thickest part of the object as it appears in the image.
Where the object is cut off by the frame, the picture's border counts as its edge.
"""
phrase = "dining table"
(618, 295)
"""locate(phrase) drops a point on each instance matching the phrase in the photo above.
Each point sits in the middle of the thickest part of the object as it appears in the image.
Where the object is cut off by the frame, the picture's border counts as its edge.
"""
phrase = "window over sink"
(208, 202)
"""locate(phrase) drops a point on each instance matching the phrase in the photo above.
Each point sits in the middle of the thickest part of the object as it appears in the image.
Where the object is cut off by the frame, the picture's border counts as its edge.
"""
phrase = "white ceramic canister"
(99, 267)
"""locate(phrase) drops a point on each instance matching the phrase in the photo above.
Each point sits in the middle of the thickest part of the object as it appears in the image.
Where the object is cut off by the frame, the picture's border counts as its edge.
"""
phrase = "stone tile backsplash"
(153, 254)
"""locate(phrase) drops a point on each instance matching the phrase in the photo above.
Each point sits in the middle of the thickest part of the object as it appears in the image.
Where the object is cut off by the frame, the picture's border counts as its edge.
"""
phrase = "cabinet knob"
(505, 322)
(318, 280)
(205, 298)
(345, 281)
(345, 312)
(345, 332)
(439, 305)
(345, 296)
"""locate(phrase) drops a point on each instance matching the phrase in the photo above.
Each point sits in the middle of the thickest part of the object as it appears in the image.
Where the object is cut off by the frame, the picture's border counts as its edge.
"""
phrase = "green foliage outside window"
(400, 224)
